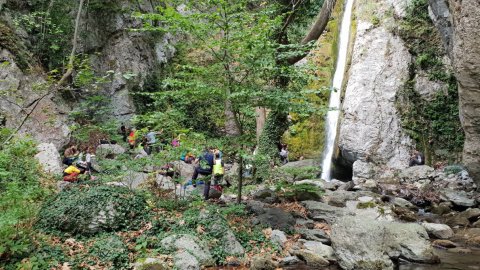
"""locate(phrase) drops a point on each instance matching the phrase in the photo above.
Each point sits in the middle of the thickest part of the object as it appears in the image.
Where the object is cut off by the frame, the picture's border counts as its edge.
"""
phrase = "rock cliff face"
(466, 61)
(113, 47)
(459, 24)
(370, 128)
(112, 50)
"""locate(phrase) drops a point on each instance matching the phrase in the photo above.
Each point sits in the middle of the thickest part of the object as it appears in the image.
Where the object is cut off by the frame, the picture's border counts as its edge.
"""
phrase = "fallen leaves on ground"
(293, 207)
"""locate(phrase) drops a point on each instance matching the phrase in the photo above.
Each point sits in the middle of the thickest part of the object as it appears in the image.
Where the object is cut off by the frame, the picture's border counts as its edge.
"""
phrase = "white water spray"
(334, 103)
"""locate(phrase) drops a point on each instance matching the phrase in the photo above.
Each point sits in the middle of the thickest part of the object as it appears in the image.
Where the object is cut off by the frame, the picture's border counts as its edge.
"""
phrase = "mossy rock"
(87, 210)
(10, 41)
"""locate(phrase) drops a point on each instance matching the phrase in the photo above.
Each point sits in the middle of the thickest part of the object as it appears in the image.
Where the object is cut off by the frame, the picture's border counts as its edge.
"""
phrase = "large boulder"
(109, 150)
(190, 244)
(277, 218)
(320, 211)
(440, 231)
(458, 198)
(94, 209)
(415, 173)
(49, 158)
(184, 169)
(363, 243)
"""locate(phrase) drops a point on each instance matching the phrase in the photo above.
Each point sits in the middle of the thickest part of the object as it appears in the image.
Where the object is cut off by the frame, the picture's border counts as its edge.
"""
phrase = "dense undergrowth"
(433, 124)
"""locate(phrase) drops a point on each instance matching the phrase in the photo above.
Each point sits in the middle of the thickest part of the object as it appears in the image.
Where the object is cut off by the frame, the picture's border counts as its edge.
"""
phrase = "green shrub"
(110, 250)
(88, 210)
(20, 195)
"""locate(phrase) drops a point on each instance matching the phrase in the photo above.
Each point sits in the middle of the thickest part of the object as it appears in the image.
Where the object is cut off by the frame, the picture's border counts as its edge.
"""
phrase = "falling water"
(334, 104)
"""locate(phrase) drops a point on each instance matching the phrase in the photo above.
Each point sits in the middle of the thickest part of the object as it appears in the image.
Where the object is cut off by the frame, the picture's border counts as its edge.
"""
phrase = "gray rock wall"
(466, 62)
(370, 127)
(459, 25)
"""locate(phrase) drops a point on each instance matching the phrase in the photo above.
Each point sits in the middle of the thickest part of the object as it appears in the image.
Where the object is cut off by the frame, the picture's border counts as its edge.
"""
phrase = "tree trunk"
(232, 126)
(240, 180)
(317, 28)
(261, 117)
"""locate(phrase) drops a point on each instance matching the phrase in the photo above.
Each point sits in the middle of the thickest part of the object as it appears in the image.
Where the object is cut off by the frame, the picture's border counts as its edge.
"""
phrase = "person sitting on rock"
(417, 159)
(284, 154)
(132, 137)
(70, 155)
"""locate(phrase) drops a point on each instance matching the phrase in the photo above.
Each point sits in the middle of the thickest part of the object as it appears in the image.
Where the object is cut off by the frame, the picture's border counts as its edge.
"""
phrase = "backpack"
(218, 169)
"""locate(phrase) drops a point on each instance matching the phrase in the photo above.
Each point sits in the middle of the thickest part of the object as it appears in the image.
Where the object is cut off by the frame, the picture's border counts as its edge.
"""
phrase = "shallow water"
(449, 261)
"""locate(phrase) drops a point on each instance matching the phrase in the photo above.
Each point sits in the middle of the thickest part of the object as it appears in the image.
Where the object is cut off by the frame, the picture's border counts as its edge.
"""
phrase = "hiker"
(284, 154)
(123, 132)
(70, 174)
(70, 155)
(417, 159)
(151, 141)
(218, 171)
(204, 164)
(187, 157)
(141, 153)
(131, 138)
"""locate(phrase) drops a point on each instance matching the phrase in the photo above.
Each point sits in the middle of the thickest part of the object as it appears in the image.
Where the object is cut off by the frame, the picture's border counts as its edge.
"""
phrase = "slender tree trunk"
(261, 116)
(232, 126)
(240, 180)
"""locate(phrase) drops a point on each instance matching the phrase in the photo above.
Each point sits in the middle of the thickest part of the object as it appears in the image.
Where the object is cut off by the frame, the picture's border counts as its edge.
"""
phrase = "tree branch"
(317, 28)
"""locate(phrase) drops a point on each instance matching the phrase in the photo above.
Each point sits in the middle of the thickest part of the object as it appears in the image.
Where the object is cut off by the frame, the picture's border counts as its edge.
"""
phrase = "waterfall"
(334, 103)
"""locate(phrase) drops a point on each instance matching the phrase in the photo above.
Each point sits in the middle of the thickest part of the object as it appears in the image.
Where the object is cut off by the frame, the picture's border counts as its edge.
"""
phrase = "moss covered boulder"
(88, 210)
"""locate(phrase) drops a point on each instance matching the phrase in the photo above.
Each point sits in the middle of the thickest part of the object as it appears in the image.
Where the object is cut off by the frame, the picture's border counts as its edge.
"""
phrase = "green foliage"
(10, 41)
(435, 124)
(365, 205)
(20, 190)
(73, 210)
(110, 250)
(50, 30)
(298, 192)
(91, 111)
(453, 169)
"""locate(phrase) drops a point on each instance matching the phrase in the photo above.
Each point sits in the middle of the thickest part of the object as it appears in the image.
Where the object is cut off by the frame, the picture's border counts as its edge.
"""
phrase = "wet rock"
(436, 230)
(458, 198)
(320, 249)
(49, 158)
(277, 218)
(400, 202)
(189, 244)
(314, 235)
(471, 236)
(109, 151)
(461, 250)
(290, 260)
(185, 260)
(404, 214)
(444, 243)
(263, 263)
(377, 243)
(311, 259)
(278, 237)
(319, 211)
(442, 208)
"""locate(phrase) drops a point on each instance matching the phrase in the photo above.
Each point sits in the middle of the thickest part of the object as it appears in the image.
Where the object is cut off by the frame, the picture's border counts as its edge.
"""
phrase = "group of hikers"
(209, 164)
